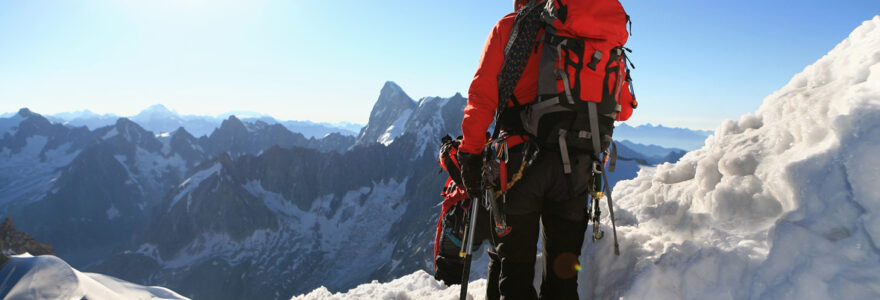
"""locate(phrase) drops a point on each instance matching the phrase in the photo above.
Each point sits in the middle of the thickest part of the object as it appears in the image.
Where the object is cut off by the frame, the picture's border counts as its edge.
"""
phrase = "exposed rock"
(16, 242)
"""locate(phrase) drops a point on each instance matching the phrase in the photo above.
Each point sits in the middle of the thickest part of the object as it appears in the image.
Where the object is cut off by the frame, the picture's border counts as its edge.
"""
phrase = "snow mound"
(418, 285)
(48, 277)
(782, 204)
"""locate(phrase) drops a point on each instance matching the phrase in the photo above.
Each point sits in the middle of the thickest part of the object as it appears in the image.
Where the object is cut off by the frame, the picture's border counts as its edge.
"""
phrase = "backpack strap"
(594, 129)
(516, 55)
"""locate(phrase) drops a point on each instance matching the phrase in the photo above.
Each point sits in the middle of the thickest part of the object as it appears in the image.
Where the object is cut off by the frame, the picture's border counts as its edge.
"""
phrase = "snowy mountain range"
(88, 192)
(159, 119)
(781, 204)
(260, 219)
(242, 211)
(249, 203)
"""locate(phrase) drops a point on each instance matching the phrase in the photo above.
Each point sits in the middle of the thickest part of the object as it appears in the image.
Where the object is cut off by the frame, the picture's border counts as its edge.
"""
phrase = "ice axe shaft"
(611, 214)
(468, 250)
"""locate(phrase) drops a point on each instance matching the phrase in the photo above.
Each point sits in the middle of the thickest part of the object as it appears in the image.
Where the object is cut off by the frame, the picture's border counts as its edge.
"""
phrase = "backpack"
(453, 192)
(584, 83)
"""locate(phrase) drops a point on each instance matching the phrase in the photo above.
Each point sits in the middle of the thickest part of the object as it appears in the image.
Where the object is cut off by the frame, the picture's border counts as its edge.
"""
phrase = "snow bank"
(48, 277)
(782, 204)
(418, 285)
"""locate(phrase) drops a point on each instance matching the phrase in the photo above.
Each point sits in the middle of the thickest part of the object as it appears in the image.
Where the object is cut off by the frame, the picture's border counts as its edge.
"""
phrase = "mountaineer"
(554, 77)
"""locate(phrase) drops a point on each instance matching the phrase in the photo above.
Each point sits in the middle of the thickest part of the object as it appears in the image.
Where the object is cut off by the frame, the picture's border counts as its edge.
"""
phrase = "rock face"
(15, 242)
(389, 116)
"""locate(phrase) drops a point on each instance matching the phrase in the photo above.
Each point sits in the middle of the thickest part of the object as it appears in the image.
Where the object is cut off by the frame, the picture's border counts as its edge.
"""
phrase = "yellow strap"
(514, 180)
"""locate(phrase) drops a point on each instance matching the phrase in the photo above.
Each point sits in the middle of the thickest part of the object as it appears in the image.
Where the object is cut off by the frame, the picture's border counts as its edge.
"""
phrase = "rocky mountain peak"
(389, 115)
(130, 130)
(457, 97)
(182, 133)
(392, 95)
(24, 112)
(30, 123)
(232, 125)
(128, 135)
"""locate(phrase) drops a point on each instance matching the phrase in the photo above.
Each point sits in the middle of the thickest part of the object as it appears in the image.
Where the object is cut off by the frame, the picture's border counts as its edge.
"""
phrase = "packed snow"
(48, 277)
(418, 285)
(782, 204)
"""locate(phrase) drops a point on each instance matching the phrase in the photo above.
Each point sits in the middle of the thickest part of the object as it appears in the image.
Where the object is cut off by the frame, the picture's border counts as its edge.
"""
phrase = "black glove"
(471, 172)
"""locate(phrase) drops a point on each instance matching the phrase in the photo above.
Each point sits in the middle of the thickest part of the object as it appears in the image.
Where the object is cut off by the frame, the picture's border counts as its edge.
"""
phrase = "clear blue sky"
(697, 62)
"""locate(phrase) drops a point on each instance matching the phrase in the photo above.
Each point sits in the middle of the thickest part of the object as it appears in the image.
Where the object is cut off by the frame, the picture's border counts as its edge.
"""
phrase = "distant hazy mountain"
(671, 137)
(653, 154)
(159, 119)
(353, 127)
(83, 118)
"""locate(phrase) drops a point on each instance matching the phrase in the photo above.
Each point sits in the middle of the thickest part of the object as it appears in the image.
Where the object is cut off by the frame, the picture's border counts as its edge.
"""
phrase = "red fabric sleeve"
(483, 92)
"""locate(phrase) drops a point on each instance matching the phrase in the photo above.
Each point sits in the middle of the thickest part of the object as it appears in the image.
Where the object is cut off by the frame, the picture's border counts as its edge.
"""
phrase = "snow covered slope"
(32, 150)
(48, 277)
(782, 204)
(779, 205)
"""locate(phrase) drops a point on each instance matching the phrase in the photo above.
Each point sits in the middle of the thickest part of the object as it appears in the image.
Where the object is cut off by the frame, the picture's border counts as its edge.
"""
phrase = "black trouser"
(558, 201)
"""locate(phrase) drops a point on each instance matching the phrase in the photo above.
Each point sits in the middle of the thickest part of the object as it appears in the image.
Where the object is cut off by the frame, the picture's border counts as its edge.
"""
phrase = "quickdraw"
(496, 182)
(499, 149)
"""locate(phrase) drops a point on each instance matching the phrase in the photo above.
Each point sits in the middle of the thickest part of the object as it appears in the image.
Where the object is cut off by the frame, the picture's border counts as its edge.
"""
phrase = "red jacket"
(483, 92)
